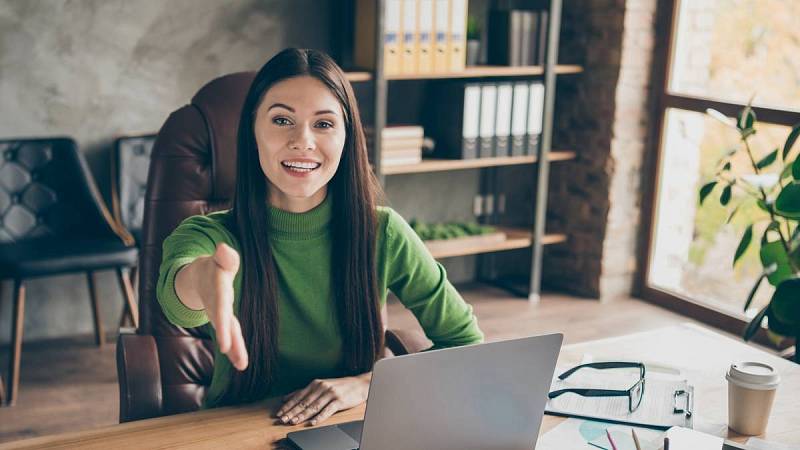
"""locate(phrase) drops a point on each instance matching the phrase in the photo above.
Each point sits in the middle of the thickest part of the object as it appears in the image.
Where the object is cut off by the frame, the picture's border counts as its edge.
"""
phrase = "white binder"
(505, 93)
(535, 115)
(519, 119)
(471, 120)
(425, 32)
(488, 114)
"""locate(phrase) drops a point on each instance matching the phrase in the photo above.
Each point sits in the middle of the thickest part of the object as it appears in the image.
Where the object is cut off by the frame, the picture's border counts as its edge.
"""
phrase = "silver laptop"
(483, 396)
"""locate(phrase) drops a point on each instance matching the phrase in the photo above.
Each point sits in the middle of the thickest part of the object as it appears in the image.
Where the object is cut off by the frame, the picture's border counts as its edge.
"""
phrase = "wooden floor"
(71, 385)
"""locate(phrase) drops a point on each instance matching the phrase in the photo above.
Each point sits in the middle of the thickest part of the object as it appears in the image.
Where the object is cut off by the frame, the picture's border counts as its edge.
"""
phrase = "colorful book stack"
(517, 38)
(420, 36)
(400, 144)
(497, 119)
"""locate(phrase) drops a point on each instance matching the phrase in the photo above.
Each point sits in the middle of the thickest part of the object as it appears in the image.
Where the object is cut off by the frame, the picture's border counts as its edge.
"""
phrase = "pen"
(613, 445)
(666, 443)
(636, 440)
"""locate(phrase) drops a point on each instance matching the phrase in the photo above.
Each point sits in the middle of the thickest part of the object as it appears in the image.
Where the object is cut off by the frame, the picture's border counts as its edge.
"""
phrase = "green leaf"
(796, 169)
(785, 303)
(763, 205)
(787, 147)
(767, 160)
(773, 226)
(755, 324)
(788, 202)
(747, 132)
(706, 189)
(773, 253)
(735, 210)
(725, 197)
(775, 338)
(745, 119)
(786, 172)
(727, 166)
(744, 243)
(722, 118)
(753, 291)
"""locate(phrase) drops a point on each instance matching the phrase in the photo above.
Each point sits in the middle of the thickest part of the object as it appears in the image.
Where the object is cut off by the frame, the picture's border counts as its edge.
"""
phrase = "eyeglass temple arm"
(589, 393)
(600, 365)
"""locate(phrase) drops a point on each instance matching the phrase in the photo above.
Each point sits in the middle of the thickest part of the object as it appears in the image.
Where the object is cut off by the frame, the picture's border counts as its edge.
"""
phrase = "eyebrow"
(281, 105)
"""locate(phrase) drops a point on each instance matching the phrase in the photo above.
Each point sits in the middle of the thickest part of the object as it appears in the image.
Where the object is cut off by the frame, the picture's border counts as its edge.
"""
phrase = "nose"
(301, 139)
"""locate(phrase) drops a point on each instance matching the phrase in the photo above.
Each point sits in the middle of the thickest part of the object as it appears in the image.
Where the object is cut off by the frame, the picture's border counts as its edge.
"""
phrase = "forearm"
(188, 282)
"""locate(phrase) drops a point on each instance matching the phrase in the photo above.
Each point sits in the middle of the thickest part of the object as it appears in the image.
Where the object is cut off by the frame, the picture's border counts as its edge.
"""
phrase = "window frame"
(667, 15)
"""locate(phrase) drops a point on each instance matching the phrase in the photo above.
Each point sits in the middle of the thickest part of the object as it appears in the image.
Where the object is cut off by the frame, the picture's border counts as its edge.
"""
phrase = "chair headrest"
(220, 102)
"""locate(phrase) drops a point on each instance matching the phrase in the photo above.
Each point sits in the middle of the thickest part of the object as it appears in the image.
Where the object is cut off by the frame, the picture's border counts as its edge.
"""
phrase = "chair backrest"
(130, 163)
(192, 171)
(166, 369)
(47, 190)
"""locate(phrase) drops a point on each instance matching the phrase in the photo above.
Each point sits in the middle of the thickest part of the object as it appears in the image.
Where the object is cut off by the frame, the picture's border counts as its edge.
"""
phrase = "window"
(719, 54)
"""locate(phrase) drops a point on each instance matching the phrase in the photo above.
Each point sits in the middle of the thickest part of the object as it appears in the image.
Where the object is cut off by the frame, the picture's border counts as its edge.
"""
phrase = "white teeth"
(300, 165)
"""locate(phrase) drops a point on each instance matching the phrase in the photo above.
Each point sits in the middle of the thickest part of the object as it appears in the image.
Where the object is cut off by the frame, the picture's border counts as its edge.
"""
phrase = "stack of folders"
(496, 119)
(517, 38)
(400, 144)
(420, 36)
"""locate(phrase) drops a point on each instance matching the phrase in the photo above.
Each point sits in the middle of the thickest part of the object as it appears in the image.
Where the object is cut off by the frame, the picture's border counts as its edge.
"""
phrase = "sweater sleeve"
(421, 284)
(195, 237)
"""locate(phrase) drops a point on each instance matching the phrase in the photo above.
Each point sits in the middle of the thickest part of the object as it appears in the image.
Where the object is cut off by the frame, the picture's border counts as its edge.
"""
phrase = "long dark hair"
(354, 225)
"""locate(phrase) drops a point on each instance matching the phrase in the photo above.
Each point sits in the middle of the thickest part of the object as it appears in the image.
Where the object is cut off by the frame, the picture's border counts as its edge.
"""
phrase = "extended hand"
(219, 305)
(322, 398)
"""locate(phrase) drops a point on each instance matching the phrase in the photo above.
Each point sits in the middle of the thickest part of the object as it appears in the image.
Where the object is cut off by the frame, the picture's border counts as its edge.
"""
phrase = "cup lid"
(753, 375)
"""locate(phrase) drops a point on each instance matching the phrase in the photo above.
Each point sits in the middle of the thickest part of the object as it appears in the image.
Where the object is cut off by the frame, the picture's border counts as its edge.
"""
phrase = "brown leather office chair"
(165, 369)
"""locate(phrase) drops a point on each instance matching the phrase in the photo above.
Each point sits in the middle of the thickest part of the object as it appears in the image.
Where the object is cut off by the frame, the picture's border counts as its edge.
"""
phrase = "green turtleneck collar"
(300, 226)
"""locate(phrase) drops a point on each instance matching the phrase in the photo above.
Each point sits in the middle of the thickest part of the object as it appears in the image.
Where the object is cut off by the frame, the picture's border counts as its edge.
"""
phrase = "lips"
(301, 166)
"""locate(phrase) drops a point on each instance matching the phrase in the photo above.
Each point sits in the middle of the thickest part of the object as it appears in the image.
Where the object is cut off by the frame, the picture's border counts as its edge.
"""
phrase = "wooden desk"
(702, 354)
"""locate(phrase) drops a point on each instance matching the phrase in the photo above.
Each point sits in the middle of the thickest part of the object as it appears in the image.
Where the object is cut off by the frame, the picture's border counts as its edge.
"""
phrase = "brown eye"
(325, 124)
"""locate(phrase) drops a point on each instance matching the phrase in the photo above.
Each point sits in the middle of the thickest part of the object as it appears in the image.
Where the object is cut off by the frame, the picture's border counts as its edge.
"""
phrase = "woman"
(294, 276)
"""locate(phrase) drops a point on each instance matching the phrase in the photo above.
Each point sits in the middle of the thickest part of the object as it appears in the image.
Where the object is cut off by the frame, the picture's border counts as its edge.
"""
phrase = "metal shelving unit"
(533, 237)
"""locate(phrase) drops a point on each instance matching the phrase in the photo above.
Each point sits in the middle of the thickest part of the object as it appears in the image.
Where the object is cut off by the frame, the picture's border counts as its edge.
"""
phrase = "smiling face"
(300, 133)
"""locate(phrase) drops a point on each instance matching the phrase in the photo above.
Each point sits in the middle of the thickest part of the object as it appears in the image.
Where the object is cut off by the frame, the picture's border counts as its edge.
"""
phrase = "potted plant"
(473, 41)
(776, 229)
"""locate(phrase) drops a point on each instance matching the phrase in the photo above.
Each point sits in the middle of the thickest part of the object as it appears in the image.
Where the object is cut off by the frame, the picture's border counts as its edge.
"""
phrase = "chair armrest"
(139, 377)
(404, 342)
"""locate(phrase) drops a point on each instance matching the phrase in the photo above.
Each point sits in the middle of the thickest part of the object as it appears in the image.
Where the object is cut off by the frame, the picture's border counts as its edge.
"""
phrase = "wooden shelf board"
(515, 238)
(438, 165)
(489, 71)
(358, 76)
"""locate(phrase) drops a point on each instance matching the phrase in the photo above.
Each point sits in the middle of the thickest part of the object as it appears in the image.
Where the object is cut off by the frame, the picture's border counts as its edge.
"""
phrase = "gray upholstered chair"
(53, 221)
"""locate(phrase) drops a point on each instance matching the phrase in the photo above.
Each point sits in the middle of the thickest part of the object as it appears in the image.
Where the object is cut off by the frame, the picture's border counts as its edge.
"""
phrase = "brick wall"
(603, 115)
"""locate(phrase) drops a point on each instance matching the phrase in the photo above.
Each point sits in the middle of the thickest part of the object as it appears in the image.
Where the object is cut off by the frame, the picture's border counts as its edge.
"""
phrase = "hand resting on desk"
(323, 398)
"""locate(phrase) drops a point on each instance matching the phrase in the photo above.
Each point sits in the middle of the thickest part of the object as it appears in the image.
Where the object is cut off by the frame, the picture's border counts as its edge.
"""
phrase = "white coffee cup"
(751, 391)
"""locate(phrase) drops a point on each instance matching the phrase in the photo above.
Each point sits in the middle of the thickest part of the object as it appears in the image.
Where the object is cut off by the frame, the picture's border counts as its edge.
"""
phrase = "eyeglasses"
(635, 393)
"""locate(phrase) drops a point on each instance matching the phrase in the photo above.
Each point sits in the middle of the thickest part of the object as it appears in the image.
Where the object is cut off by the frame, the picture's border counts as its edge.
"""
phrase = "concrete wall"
(93, 69)
(96, 69)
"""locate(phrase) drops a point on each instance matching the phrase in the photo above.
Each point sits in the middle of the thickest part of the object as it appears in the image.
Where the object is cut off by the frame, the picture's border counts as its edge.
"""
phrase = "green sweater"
(309, 339)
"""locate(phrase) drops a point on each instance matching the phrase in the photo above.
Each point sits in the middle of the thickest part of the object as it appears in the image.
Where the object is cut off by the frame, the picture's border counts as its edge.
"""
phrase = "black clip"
(687, 405)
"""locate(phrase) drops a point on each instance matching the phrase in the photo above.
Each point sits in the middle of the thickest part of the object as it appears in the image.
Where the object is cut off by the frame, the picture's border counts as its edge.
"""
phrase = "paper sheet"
(586, 434)
(656, 408)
